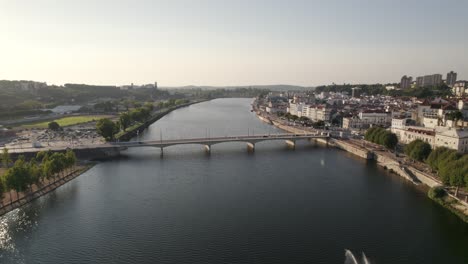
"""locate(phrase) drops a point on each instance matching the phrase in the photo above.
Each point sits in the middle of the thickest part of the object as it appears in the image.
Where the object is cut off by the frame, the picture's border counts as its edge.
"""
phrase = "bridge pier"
(208, 149)
(250, 146)
(291, 143)
(162, 152)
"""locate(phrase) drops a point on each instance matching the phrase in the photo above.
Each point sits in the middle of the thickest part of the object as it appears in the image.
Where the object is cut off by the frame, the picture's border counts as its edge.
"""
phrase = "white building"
(317, 113)
(410, 133)
(296, 109)
(452, 138)
(460, 88)
(375, 117)
(431, 122)
(439, 136)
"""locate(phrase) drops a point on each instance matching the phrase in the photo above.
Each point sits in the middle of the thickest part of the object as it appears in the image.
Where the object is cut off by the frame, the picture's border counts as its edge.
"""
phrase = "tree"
(6, 158)
(370, 133)
(433, 158)
(54, 126)
(2, 190)
(149, 106)
(18, 177)
(390, 140)
(70, 158)
(125, 120)
(418, 150)
(455, 116)
(107, 129)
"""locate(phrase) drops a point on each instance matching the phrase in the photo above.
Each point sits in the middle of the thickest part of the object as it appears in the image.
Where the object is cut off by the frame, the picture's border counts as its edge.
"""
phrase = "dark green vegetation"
(375, 89)
(451, 167)
(418, 150)
(439, 195)
(455, 116)
(133, 118)
(107, 129)
(22, 175)
(382, 137)
(436, 192)
(53, 126)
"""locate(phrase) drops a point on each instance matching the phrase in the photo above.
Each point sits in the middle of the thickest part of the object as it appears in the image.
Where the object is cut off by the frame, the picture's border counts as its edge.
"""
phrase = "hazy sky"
(238, 42)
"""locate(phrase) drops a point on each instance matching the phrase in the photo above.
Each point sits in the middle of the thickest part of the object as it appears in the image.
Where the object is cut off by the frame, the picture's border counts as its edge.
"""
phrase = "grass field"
(67, 121)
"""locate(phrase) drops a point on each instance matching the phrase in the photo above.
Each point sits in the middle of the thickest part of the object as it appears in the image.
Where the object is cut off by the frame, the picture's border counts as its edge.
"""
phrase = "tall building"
(429, 80)
(406, 82)
(419, 81)
(451, 78)
(355, 92)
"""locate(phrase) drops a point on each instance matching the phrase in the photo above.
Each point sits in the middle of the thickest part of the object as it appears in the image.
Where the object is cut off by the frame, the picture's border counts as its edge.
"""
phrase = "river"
(276, 205)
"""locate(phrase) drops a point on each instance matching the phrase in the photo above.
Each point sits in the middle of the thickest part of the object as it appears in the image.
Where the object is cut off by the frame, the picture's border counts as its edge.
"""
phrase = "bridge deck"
(170, 142)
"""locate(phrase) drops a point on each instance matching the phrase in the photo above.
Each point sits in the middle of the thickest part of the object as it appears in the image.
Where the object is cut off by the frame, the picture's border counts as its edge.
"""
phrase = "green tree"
(455, 116)
(107, 129)
(390, 140)
(6, 158)
(125, 120)
(17, 177)
(433, 158)
(54, 126)
(370, 133)
(418, 150)
(149, 106)
(70, 159)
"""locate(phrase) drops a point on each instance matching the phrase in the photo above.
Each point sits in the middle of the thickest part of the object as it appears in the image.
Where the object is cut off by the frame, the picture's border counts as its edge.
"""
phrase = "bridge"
(250, 140)
(206, 142)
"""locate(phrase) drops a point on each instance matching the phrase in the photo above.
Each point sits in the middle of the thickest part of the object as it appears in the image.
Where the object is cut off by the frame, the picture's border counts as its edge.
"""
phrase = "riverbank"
(12, 201)
(383, 158)
(135, 130)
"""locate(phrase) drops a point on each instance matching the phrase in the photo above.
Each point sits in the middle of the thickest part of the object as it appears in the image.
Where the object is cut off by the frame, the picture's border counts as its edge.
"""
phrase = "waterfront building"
(316, 112)
(295, 108)
(451, 78)
(452, 138)
(437, 136)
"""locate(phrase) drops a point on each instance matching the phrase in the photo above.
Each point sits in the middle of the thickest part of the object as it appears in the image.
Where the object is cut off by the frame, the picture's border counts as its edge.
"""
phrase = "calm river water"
(276, 205)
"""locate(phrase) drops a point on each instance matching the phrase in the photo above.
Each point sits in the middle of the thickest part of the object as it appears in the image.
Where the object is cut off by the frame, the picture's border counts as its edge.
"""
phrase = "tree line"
(21, 175)
(382, 137)
(108, 129)
(451, 166)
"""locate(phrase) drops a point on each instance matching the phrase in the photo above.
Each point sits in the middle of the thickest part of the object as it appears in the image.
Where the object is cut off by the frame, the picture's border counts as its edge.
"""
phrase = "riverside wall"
(81, 154)
(407, 172)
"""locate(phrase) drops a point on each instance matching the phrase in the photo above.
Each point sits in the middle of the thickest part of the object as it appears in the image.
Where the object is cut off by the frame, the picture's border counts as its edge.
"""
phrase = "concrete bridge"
(114, 148)
(250, 140)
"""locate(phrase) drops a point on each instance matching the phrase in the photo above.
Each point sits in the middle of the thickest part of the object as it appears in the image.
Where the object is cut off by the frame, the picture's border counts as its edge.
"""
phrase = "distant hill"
(276, 87)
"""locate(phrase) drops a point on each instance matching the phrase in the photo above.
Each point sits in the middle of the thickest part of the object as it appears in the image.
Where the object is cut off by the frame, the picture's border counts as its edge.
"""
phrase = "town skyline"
(306, 43)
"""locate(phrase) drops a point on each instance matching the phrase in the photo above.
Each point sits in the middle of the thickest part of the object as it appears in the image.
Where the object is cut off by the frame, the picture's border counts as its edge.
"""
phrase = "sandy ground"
(72, 136)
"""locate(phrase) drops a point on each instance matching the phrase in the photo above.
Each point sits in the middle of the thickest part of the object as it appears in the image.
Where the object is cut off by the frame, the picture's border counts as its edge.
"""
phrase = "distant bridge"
(251, 140)
(207, 142)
